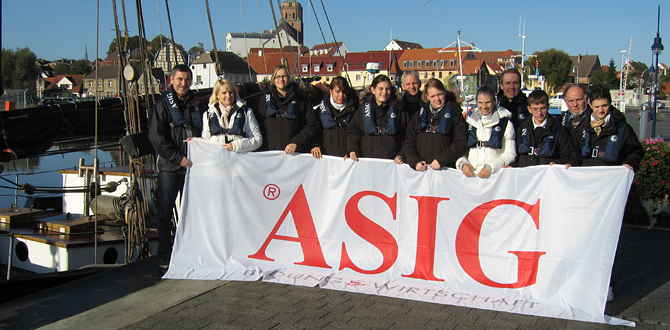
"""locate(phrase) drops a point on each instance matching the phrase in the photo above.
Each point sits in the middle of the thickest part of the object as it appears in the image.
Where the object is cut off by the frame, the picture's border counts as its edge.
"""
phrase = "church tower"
(291, 12)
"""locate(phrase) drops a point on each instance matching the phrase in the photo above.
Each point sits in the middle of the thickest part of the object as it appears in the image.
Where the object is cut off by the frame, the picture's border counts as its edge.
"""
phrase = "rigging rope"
(174, 48)
(294, 59)
(281, 48)
(217, 66)
(262, 41)
(244, 30)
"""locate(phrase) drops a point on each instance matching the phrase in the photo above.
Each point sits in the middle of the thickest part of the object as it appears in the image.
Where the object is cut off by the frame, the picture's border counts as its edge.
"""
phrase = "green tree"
(130, 42)
(19, 68)
(199, 49)
(555, 65)
(156, 43)
(606, 77)
(81, 67)
(61, 68)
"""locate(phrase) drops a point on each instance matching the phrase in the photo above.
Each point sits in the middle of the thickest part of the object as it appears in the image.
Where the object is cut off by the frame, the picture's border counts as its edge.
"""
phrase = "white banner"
(538, 240)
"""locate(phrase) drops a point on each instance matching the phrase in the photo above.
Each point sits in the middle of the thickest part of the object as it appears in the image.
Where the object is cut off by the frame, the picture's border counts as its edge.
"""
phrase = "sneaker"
(164, 262)
(610, 294)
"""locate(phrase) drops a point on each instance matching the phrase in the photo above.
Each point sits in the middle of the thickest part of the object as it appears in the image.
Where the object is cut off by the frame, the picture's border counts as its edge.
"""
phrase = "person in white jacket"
(229, 121)
(490, 137)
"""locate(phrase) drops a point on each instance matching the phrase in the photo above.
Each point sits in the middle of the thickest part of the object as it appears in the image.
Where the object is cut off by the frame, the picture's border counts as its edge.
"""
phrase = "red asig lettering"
(467, 238)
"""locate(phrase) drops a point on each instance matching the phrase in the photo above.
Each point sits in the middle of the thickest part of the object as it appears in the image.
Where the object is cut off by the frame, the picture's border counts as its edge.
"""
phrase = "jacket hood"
(499, 112)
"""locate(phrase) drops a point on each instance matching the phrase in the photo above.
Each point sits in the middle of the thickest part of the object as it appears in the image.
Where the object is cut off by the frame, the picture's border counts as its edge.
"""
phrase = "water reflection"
(44, 170)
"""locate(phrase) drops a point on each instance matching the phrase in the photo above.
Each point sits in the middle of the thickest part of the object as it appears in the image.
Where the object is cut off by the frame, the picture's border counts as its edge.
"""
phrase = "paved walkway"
(641, 284)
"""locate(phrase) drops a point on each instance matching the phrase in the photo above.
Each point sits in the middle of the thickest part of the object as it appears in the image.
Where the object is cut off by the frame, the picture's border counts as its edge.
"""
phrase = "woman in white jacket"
(229, 121)
(490, 137)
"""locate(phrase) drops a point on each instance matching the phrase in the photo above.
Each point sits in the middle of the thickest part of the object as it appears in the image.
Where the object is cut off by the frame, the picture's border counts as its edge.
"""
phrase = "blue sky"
(61, 29)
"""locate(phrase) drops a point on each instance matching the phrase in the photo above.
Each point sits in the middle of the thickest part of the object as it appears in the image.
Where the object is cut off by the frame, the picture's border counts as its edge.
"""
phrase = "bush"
(652, 180)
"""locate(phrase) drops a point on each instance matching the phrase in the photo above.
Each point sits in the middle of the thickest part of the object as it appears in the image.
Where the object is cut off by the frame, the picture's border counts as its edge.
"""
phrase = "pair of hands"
(354, 157)
(422, 165)
(469, 172)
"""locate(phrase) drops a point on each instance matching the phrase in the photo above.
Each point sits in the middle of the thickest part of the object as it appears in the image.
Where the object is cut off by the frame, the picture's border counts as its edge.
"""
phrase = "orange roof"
(323, 60)
(357, 61)
(269, 61)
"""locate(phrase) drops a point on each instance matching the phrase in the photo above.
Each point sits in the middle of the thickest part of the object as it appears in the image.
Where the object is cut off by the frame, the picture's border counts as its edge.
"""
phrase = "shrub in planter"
(652, 180)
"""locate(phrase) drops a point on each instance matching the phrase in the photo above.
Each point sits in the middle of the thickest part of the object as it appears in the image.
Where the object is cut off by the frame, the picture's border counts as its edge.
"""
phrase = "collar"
(607, 118)
(543, 125)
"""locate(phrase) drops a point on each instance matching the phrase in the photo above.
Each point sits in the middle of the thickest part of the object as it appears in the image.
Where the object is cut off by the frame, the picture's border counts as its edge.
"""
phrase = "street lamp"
(621, 87)
(656, 48)
(575, 67)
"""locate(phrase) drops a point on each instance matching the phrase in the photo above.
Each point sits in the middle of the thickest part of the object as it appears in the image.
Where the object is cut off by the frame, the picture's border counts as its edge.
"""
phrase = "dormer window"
(329, 68)
(305, 67)
(317, 67)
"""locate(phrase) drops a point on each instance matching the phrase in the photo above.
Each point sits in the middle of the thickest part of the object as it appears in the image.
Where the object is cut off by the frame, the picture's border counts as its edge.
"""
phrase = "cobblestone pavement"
(641, 278)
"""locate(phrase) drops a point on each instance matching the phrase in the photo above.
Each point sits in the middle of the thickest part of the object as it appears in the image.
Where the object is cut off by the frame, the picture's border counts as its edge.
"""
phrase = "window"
(419, 64)
(411, 64)
(198, 80)
(304, 68)
(327, 78)
(357, 63)
(204, 65)
(427, 64)
(99, 83)
(432, 74)
(317, 67)
(110, 83)
(435, 63)
(452, 63)
(404, 64)
(425, 75)
(329, 68)
(90, 84)
(440, 75)
(392, 78)
(441, 64)
(358, 77)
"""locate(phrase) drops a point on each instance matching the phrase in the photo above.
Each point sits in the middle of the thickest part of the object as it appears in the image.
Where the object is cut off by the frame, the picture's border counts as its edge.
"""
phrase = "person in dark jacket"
(288, 121)
(575, 99)
(604, 138)
(174, 118)
(378, 127)
(411, 96)
(437, 134)
(540, 139)
(335, 112)
(510, 96)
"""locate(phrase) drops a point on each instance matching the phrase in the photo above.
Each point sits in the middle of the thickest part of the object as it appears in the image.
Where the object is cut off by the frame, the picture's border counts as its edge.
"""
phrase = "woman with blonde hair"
(229, 121)
(437, 133)
(289, 122)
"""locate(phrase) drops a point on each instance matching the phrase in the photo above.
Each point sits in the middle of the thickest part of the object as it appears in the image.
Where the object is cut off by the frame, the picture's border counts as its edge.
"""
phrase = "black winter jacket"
(372, 145)
(630, 149)
(421, 145)
(411, 107)
(169, 141)
(518, 106)
(333, 140)
(282, 131)
(562, 149)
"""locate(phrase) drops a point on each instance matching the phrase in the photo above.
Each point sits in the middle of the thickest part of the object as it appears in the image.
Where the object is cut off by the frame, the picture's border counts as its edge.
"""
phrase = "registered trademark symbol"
(271, 191)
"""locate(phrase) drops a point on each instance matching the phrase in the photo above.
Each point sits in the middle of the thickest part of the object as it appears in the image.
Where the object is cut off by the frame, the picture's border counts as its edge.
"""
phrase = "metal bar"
(11, 251)
(16, 192)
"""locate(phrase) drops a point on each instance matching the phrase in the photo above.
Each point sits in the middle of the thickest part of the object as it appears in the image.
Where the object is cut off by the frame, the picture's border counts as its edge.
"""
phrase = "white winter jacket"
(240, 144)
(495, 158)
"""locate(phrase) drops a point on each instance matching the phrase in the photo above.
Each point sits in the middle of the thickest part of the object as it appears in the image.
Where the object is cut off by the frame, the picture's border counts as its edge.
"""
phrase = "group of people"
(419, 128)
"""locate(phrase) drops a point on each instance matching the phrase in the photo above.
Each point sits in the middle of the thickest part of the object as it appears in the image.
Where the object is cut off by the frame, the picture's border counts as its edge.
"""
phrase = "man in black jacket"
(575, 99)
(510, 96)
(604, 138)
(411, 96)
(540, 139)
(175, 117)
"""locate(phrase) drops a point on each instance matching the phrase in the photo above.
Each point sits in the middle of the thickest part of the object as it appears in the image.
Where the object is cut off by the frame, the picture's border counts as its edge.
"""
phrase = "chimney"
(260, 52)
(579, 58)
